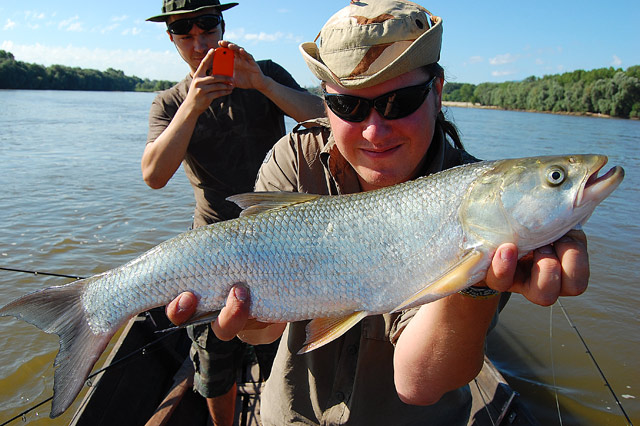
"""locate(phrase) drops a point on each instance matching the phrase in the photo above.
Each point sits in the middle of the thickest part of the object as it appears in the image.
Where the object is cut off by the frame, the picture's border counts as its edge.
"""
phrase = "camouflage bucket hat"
(179, 7)
(372, 41)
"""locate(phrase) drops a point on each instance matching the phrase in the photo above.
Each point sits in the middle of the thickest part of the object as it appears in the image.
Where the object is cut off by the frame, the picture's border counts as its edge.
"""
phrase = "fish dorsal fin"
(258, 202)
(454, 280)
(321, 331)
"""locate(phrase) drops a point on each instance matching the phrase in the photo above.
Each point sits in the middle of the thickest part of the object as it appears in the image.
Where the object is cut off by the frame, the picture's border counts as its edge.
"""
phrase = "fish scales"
(342, 258)
(314, 248)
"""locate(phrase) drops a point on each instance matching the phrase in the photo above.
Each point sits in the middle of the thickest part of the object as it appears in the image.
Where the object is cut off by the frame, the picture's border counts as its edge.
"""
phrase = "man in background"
(220, 129)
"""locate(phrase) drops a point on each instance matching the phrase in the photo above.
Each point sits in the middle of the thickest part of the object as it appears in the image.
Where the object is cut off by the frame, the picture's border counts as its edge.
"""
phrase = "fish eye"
(556, 175)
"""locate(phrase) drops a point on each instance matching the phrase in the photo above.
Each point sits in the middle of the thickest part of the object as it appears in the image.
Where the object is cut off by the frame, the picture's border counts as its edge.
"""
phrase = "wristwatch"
(479, 292)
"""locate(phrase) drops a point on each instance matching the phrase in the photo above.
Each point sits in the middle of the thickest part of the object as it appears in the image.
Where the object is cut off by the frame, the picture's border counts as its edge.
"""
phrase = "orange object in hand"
(222, 62)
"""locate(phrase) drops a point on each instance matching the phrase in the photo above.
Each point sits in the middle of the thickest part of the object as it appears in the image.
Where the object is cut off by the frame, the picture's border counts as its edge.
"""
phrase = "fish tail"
(58, 310)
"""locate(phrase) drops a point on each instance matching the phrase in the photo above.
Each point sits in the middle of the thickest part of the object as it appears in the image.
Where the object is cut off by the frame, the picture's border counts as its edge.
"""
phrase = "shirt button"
(352, 349)
(340, 396)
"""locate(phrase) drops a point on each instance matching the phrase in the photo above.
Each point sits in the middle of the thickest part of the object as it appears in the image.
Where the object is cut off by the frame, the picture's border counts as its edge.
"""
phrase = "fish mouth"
(597, 188)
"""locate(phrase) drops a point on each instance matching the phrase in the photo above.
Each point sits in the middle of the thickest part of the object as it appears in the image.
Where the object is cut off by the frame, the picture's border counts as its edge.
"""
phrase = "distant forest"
(21, 75)
(610, 91)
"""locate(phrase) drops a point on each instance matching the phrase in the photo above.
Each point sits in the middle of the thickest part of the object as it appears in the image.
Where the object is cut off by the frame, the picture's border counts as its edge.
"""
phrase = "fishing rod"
(606, 382)
(50, 274)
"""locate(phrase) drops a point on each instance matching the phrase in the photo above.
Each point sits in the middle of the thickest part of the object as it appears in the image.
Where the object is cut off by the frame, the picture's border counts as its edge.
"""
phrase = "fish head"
(534, 201)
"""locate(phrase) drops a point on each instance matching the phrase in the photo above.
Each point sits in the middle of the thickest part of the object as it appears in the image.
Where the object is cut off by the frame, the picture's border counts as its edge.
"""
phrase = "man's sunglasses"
(204, 22)
(393, 105)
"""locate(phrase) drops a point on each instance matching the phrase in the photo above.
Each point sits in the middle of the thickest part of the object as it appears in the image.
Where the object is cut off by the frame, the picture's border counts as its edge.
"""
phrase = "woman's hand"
(233, 319)
(560, 269)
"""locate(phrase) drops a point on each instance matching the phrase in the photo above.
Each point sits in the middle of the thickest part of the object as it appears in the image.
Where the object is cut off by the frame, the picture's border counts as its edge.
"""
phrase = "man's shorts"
(216, 362)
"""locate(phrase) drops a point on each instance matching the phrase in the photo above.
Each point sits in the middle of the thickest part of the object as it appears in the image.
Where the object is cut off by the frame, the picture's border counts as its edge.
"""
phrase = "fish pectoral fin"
(454, 280)
(321, 331)
(257, 202)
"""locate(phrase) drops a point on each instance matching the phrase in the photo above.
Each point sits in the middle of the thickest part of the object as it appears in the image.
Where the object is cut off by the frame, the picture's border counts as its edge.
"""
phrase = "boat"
(153, 386)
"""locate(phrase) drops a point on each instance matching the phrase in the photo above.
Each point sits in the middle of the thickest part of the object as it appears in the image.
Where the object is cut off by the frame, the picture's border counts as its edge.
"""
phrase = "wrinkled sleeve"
(404, 317)
(158, 119)
(400, 324)
(279, 169)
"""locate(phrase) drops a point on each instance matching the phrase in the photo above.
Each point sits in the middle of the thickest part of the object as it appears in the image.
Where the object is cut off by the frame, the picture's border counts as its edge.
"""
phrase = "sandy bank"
(472, 105)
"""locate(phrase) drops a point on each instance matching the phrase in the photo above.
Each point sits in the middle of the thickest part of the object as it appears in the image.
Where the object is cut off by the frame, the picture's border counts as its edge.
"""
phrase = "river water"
(73, 202)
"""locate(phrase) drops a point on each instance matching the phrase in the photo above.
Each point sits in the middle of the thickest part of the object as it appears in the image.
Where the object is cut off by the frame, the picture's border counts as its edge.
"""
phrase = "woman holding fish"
(383, 295)
(378, 65)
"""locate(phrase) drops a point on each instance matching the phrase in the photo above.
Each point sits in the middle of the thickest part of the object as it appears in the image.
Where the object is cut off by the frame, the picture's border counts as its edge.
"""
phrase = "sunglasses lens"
(400, 103)
(204, 22)
(208, 22)
(180, 27)
(348, 108)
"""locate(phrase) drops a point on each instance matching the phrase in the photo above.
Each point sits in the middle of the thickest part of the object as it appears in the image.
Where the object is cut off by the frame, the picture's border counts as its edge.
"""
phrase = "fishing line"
(50, 274)
(485, 403)
(553, 367)
(606, 382)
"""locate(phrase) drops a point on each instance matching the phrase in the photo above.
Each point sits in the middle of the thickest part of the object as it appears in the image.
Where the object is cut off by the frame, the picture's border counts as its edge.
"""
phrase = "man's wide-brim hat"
(180, 7)
(372, 41)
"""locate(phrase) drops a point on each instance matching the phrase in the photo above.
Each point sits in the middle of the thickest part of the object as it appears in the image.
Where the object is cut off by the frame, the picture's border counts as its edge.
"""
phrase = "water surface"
(73, 201)
(535, 347)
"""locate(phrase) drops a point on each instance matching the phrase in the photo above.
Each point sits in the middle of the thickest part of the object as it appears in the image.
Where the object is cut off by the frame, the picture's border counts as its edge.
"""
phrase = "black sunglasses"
(393, 105)
(204, 22)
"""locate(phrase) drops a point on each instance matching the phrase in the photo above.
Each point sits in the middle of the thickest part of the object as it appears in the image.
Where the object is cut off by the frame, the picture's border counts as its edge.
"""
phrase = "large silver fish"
(333, 258)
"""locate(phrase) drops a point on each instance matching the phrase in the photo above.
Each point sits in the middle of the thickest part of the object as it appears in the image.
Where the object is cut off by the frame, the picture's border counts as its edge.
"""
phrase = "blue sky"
(483, 41)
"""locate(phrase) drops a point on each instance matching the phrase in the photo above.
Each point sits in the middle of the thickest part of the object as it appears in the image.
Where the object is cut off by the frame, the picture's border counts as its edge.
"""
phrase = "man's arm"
(162, 157)
(297, 104)
(431, 360)
(442, 347)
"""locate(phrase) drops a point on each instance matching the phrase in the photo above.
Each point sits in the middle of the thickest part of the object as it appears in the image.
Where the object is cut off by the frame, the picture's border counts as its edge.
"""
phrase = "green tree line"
(610, 91)
(21, 75)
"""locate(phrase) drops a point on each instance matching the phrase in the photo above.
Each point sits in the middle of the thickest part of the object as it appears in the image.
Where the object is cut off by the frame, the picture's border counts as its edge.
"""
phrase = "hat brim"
(164, 16)
(420, 53)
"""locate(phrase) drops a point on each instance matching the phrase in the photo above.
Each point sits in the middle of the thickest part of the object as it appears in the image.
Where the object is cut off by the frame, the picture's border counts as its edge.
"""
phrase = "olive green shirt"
(228, 143)
(350, 380)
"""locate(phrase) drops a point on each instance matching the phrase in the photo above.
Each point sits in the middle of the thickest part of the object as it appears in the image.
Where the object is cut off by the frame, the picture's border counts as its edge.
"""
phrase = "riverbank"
(479, 106)
(467, 105)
